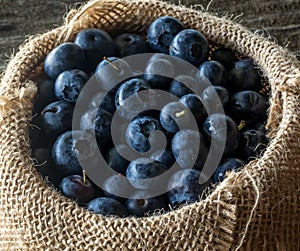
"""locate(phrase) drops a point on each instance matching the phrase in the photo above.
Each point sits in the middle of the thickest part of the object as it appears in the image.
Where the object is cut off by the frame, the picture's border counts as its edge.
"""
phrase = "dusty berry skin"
(221, 129)
(161, 32)
(69, 84)
(128, 97)
(155, 74)
(69, 148)
(44, 164)
(228, 164)
(141, 170)
(107, 207)
(104, 100)
(139, 134)
(194, 104)
(190, 149)
(253, 142)
(96, 44)
(128, 44)
(175, 116)
(184, 187)
(45, 94)
(74, 187)
(214, 71)
(244, 76)
(116, 160)
(249, 106)
(111, 72)
(141, 203)
(56, 118)
(190, 45)
(64, 57)
(164, 156)
(210, 97)
(225, 56)
(88, 120)
(115, 185)
(184, 84)
(103, 127)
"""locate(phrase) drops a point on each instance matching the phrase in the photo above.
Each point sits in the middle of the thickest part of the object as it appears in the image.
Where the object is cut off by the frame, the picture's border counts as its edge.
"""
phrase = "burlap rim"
(279, 66)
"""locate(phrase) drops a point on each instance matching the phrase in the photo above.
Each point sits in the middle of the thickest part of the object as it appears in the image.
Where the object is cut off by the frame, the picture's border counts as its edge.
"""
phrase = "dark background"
(20, 18)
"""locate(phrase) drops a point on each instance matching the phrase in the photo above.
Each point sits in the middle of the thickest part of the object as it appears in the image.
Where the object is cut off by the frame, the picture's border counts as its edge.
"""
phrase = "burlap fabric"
(257, 208)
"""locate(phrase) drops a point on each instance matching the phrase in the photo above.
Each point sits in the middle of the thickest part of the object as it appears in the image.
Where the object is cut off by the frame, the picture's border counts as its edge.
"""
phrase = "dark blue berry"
(161, 32)
(185, 84)
(175, 116)
(214, 72)
(142, 204)
(225, 56)
(69, 84)
(77, 188)
(129, 44)
(72, 148)
(104, 100)
(164, 156)
(96, 44)
(45, 94)
(112, 71)
(244, 76)
(107, 207)
(140, 134)
(223, 131)
(190, 45)
(228, 164)
(190, 149)
(88, 120)
(195, 105)
(184, 187)
(140, 171)
(64, 57)
(103, 126)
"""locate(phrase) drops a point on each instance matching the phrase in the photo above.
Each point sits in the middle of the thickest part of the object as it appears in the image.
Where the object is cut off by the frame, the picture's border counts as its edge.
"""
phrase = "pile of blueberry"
(168, 118)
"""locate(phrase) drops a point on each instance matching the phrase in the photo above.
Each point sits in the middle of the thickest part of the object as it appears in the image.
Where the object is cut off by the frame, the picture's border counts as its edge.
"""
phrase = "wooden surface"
(20, 18)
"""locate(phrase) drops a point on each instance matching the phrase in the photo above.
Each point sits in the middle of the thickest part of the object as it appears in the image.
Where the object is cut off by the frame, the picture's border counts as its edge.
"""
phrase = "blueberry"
(161, 32)
(88, 120)
(195, 105)
(44, 164)
(190, 149)
(140, 134)
(222, 130)
(104, 100)
(244, 76)
(111, 72)
(228, 164)
(38, 138)
(129, 44)
(159, 74)
(103, 126)
(96, 44)
(69, 84)
(184, 187)
(56, 118)
(64, 57)
(164, 156)
(140, 171)
(116, 184)
(175, 116)
(78, 188)
(107, 207)
(45, 94)
(214, 72)
(253, 143)
(142, 204)
(185, 84)
(225, 56)
(190, 45)
(215, 98)
(72, 148)
(118, 158)
(249, 106)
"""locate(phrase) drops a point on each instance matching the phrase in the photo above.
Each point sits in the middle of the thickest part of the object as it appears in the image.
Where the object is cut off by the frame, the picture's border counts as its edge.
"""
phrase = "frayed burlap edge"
(255, 209)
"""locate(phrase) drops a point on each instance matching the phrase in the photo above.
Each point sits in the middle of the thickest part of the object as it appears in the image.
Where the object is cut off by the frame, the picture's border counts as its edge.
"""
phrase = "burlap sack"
(257, 208)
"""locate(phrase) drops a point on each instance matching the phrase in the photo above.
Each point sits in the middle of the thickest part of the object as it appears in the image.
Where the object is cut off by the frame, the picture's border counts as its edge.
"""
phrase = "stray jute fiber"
(257, 208)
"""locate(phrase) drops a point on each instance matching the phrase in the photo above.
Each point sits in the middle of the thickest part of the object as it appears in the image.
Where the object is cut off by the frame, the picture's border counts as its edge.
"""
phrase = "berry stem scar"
(241, 125)
(84, 176)
(180, 114)
(111, 63)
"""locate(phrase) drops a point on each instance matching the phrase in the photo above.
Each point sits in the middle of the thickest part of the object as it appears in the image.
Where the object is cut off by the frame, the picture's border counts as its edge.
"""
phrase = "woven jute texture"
(257, 208)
